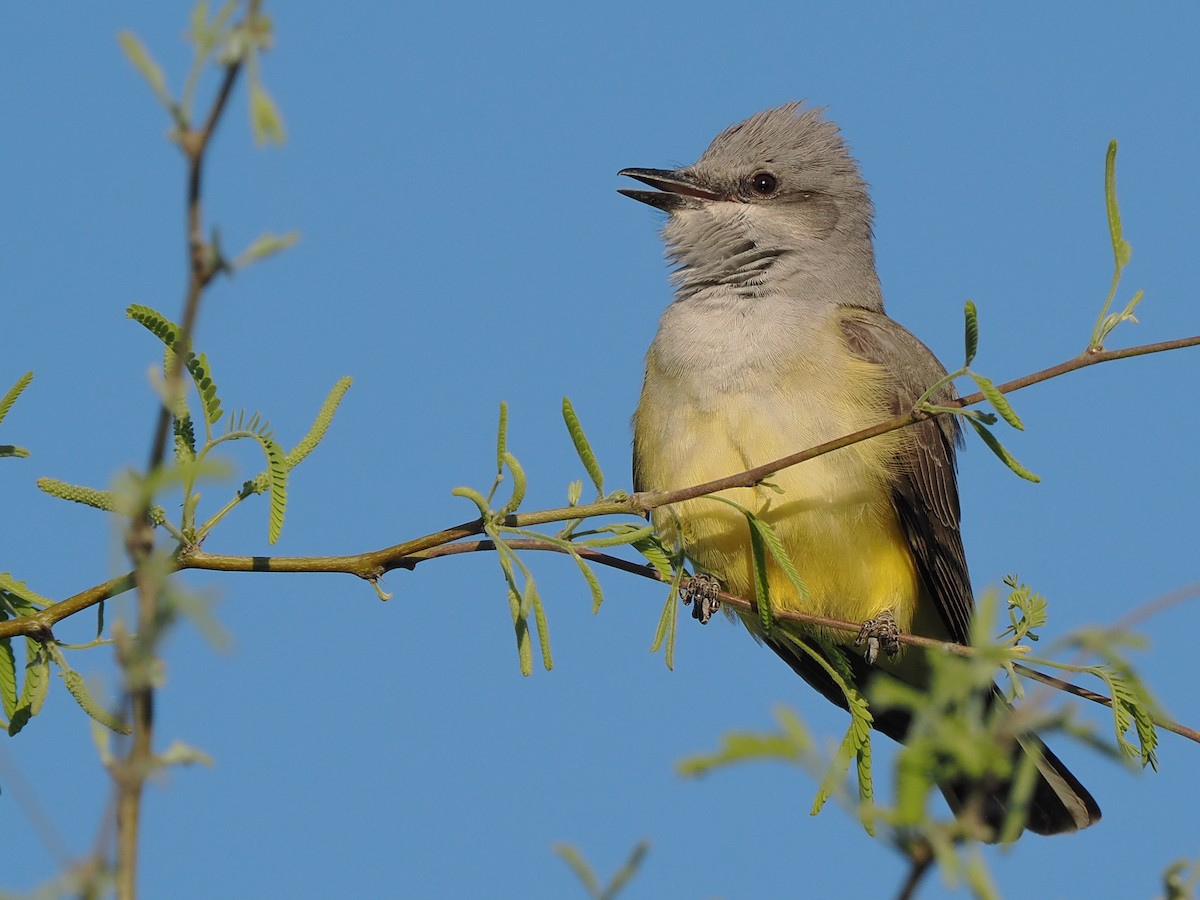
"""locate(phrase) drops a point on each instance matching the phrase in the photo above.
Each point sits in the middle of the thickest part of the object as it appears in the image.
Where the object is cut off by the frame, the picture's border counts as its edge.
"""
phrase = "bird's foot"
(879, 633)
(702, 589)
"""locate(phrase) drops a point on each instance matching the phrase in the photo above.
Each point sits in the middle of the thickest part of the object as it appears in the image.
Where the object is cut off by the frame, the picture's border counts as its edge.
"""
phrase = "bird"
(777, 341)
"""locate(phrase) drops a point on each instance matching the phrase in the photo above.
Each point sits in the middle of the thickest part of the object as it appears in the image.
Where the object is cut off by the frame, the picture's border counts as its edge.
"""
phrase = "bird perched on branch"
(777, 341)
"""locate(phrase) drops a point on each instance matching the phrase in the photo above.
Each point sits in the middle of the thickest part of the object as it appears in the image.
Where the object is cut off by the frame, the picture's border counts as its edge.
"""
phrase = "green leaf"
(521, 627)
(139, 56)
(277, 468)
(762, 586)
(198, 22)
(265, 245)
(972, 332)
(181, 754)
(18, 721)
(106, 501)
(23, 601)
(593, 582)
(11, 395)
(623, 875)
(773, 544)
(858, 736)
(508, 559)
(475, 497)
(33, 691)
(570, 549)
(579, 866)
(320, 425)
(582, 447)
(534, 601)
(1032, 610)
(1005, 457)
(265, 119)
(277, 477)
(1122, 252)
(668, 620)
(622, 534)
(37, 677)
(779, 553)
(75, 684)
(866, 788)
(197, 366)
(185, 438)
(502, 438)
(8, 676)
(518, 490)
(652, 549)
(1131, 709)
(574, 492)
(791, 744)
(206, 35)
(998, 400)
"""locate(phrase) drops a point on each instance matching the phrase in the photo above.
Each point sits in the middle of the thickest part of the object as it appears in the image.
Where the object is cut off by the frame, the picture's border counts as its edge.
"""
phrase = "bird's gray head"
(774, 200)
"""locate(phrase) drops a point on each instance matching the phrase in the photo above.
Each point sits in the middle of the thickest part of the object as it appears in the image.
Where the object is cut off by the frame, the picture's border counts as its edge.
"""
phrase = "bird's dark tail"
(1059, 803)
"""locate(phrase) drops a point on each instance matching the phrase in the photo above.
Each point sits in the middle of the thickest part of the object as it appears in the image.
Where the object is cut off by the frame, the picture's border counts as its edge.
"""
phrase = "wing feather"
(925, 491)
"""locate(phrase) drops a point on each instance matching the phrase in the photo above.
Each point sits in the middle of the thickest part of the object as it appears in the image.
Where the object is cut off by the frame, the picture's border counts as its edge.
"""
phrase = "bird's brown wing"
(925, 490)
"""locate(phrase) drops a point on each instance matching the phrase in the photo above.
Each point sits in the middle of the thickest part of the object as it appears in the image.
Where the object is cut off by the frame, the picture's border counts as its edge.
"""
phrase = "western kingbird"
(777, 341)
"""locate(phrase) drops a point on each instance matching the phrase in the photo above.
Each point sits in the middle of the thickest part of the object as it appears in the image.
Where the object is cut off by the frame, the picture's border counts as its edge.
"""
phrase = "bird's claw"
(879, 633)
(702, 589)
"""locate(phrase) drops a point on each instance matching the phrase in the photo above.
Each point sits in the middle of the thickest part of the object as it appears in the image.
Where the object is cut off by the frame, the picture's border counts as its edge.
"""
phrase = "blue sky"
(452, 171)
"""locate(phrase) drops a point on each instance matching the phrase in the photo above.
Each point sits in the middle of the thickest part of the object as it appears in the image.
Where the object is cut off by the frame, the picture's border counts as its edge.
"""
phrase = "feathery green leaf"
(8, 675)
(139, 56)
(668, 621)
(518, 489)
(320, 425)
(20, 598)
(11, 395)
(623, 534)
(474, 496)
(656, 554)
(265, 118)
(1122, 252)
(579, 866)
(265, 245)
(501, 438)
(106, 501)
(78, 689)
(197, 366)
(539, 621)
(998, 400)
(582, 447)
(972, 331)
(1004, 456)
(779, 553)
(762, 585)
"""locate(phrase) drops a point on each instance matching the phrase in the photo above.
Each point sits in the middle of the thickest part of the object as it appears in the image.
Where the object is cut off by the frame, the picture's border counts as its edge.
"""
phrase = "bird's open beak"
(677, 189)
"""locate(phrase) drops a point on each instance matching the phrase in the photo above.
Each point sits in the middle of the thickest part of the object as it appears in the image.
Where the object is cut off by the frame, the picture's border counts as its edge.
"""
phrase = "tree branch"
(373, 564)
(130, 773)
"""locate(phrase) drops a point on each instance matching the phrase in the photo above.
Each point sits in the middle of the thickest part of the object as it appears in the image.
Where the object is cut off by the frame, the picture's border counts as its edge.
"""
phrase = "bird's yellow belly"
(834, 514)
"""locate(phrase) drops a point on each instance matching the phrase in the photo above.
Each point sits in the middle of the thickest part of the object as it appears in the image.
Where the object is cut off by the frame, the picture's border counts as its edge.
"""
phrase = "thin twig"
(920, 857)
(808, 619)
(130, 772)
(374, 563)
(755, 476)
(1182, 730)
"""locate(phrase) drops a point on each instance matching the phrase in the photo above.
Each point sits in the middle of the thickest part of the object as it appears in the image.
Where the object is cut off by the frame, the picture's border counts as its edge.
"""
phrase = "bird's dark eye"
(763, 183)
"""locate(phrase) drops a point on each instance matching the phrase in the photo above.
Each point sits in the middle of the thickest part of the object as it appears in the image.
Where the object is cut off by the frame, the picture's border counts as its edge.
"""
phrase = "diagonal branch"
(373, 564)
